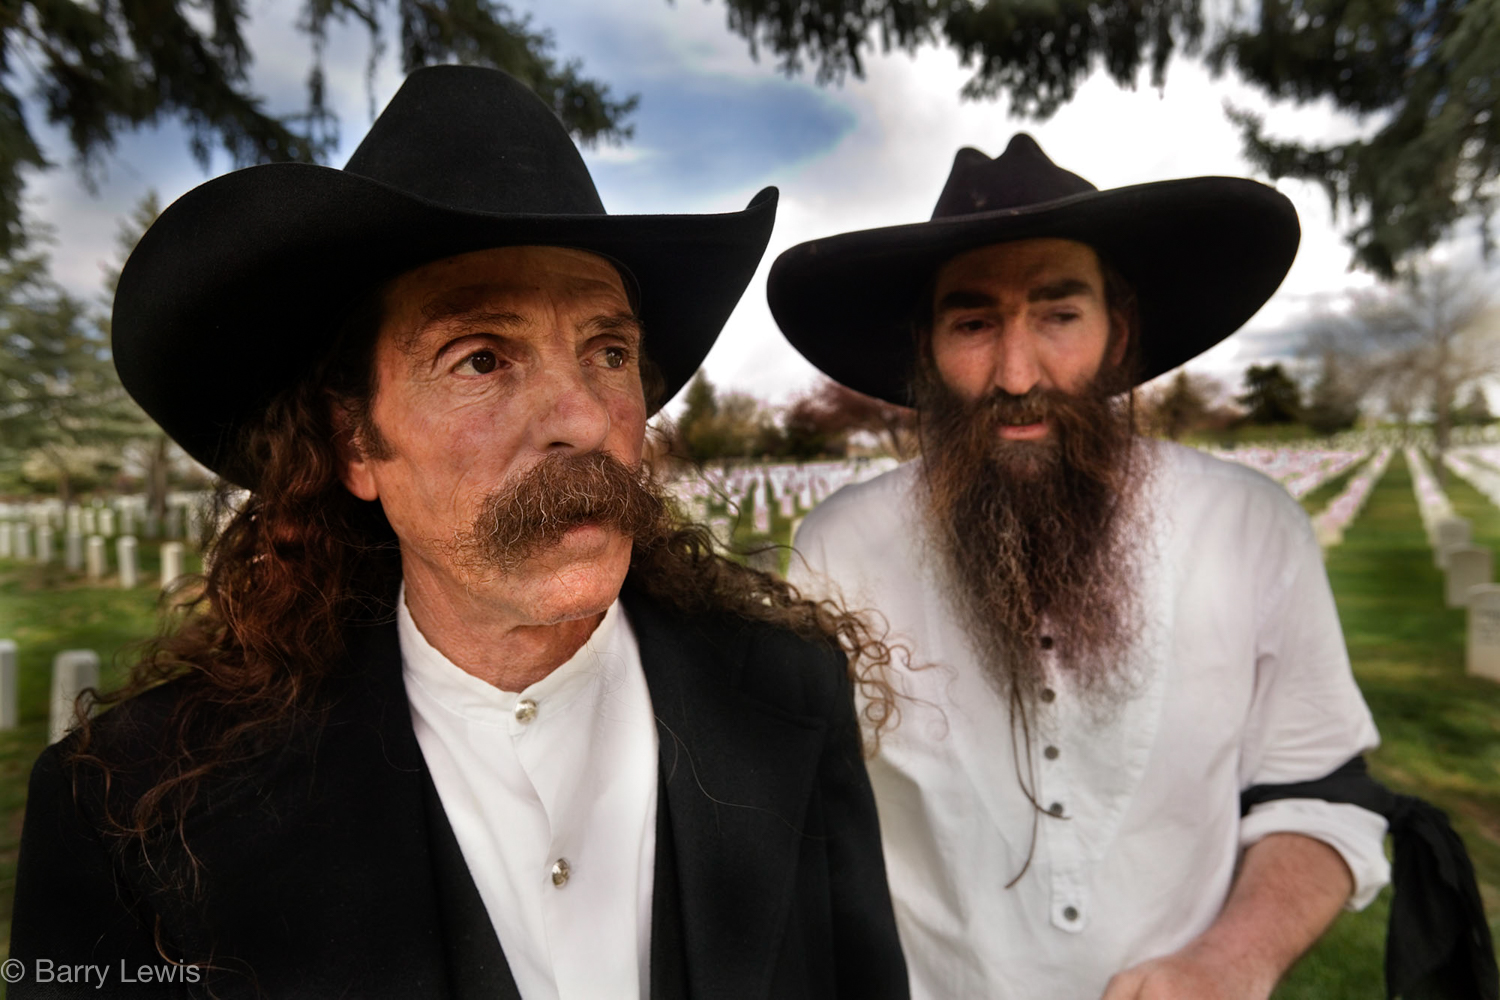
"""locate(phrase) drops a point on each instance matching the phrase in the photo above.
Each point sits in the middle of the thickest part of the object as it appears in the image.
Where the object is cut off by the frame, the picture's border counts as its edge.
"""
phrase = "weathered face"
(1029, 314)
(487, 363)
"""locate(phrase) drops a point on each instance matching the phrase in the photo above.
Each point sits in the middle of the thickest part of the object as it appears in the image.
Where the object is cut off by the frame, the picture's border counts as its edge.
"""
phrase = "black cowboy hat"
(1203, 254)
(239, 287)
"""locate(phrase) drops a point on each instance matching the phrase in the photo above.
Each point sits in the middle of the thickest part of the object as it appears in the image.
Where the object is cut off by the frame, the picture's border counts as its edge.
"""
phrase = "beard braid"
(558, 494)
(1040, 540)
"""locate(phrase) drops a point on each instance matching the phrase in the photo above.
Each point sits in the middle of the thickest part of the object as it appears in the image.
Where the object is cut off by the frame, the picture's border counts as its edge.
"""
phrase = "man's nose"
(1016, 368)
(570, 415)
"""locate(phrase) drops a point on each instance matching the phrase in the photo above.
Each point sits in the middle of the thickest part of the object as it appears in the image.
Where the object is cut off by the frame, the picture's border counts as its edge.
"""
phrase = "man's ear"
(354, 460)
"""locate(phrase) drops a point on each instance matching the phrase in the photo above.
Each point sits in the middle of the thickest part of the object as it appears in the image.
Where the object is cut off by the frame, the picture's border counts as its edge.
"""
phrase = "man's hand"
(1289, 889)
(1190, 974)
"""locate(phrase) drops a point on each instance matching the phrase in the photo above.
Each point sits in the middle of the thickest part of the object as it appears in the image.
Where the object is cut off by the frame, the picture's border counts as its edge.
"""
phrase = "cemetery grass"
(1440, 729)
(46, 610)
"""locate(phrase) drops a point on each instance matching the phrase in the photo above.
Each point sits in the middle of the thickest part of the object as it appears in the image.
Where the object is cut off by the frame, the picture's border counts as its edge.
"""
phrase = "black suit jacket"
(330, 870)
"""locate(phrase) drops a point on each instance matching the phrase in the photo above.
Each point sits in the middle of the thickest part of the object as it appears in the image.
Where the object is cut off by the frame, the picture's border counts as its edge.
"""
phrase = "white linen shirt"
(1240, 677)
(562, 773)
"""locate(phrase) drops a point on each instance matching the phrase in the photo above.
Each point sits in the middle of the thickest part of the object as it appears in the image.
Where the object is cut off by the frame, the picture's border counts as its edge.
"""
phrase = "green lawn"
(46, 610)
(1441, 729)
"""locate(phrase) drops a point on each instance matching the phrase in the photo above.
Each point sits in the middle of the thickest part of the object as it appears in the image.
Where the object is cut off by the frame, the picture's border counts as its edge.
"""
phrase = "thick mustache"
(553, 497)
(999, 407)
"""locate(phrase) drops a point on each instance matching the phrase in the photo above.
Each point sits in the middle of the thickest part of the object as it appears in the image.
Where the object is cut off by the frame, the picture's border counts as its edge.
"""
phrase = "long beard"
(1040, 539)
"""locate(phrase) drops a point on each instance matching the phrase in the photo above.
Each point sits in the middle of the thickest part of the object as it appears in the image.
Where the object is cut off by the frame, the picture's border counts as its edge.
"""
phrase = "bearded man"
(463, 709)
(1111, 637)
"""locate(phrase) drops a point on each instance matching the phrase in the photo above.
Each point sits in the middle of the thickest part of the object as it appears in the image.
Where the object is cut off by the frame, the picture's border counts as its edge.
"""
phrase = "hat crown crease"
(478, 141)
(1020, 177)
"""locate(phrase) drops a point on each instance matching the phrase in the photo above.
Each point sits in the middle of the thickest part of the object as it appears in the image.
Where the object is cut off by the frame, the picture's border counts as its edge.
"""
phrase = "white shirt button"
(561, 872)
(525, 710)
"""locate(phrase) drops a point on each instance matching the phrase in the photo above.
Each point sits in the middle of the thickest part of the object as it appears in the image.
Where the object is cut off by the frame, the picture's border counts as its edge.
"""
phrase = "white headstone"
(125, 557)
(88, 521)
(788, 505)
(1328, 533)
(9, 672)
(23, 541)
(73, 551)
(171, 563)
(44, 546)
(127, 520)
(1484, 631)
(72, 671)
(7, 548)
(1447, 534)
(98, 560)
(75, 521)
(762, 523)
(1467, 566)
(107, 522)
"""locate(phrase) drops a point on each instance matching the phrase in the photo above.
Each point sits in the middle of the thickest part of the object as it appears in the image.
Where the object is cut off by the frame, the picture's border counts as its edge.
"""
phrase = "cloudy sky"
(714, 126)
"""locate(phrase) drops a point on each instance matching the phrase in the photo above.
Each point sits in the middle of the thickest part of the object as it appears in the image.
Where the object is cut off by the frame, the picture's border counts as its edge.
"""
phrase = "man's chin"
(1024, 459)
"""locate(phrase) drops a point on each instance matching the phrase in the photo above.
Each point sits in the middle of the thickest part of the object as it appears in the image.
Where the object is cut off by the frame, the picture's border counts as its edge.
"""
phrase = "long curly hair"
(291, 567)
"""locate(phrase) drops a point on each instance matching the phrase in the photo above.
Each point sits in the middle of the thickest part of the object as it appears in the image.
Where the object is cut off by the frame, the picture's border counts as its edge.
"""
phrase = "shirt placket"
(1057, 796)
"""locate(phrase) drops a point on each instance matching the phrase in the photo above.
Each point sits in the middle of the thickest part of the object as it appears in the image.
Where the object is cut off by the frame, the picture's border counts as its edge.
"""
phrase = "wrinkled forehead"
(508, 280)
(1020, 262)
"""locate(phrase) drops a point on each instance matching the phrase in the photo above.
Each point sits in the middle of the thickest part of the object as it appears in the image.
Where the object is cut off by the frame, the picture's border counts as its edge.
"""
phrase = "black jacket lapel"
(737, 774)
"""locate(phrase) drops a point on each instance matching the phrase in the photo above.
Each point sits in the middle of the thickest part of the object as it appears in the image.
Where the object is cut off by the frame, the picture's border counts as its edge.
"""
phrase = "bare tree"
(1416, 343)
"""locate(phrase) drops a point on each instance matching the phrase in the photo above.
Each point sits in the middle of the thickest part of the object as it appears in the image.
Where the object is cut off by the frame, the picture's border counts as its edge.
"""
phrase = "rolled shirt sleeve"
(1308, 716)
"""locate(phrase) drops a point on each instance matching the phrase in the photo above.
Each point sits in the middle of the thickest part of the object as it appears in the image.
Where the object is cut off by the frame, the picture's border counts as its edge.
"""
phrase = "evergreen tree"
(59, 394)
(1178, 408)
(105, 66)
(1429, 73)
(1270, 396)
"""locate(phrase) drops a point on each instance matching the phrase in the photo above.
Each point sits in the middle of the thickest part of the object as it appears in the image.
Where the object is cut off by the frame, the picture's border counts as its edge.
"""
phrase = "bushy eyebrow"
(964, 299)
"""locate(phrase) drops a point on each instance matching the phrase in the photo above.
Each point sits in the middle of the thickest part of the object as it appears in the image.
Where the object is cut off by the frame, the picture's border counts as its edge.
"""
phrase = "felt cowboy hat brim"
(1203, 255)
(240, 287)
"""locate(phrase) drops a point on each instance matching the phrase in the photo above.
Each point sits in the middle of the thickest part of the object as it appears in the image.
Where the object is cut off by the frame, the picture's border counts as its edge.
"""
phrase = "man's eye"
(480, 362)
(615, 357)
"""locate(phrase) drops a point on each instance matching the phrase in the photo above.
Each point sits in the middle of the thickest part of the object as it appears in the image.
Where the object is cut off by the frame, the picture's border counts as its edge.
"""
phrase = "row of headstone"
(792, 488)
(1301, 469)
(89, 554)
(1432, 503)
(1468, 569)
(1330, 522)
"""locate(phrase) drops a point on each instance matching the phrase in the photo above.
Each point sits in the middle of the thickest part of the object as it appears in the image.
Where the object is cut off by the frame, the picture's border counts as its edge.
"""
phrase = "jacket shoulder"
(770, 663)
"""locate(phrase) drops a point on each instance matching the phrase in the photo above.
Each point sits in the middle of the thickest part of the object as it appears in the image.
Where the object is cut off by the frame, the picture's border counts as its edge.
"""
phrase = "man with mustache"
(1111, 637)
(464, 708)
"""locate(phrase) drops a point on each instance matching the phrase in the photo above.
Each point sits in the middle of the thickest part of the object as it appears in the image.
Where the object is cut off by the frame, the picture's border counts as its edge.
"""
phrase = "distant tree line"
(828, 421)
(1425, 345)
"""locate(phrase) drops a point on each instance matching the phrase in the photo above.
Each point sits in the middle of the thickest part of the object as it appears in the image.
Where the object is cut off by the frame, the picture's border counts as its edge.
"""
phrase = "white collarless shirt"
(551, 793)
(1240, 677)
